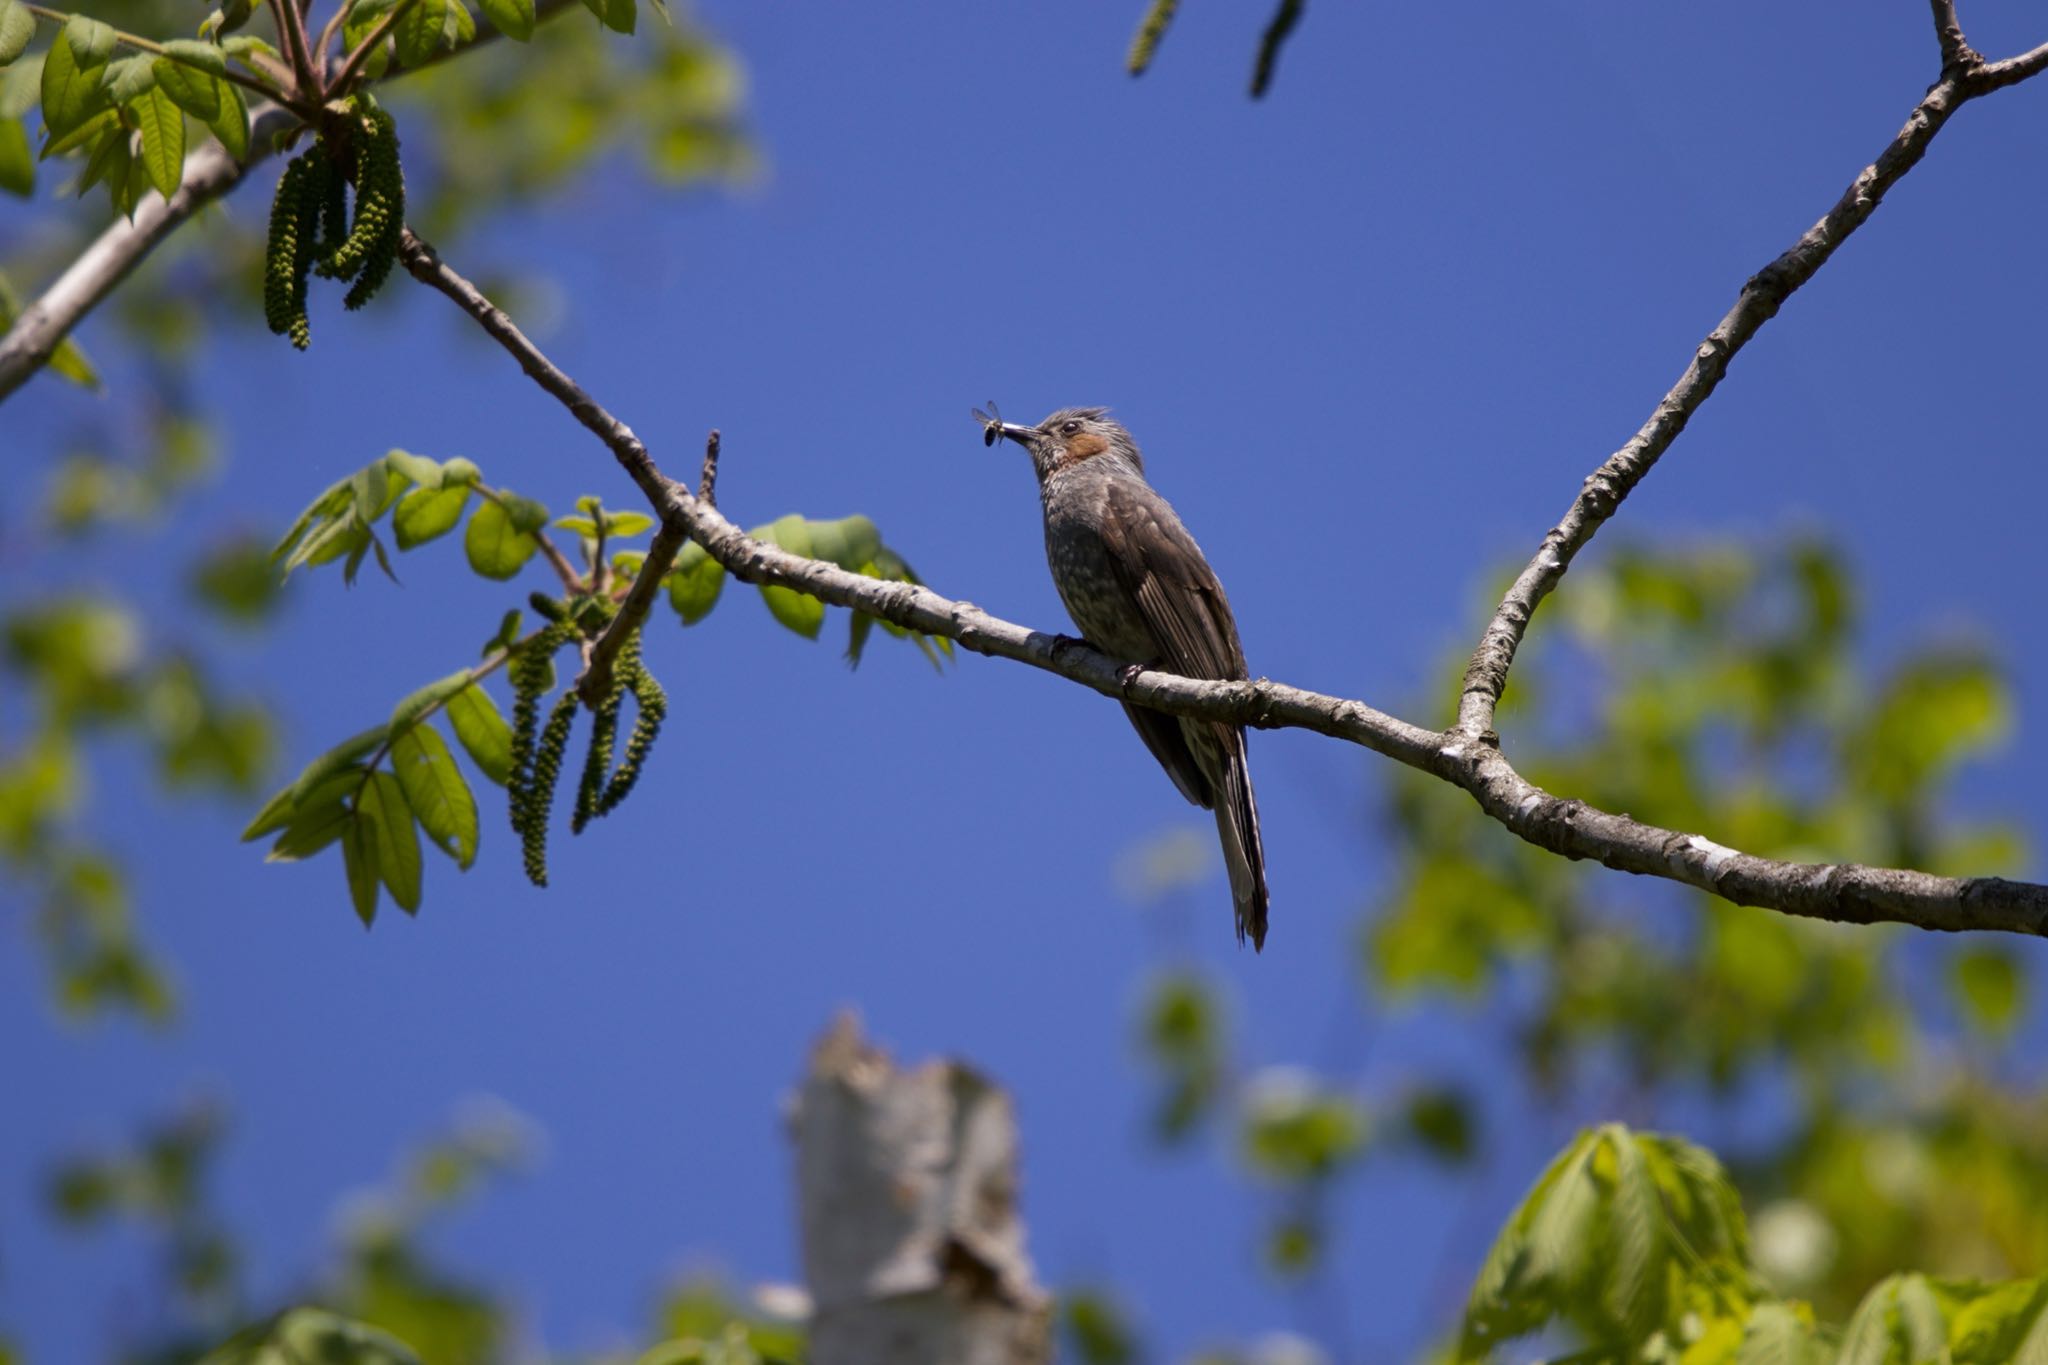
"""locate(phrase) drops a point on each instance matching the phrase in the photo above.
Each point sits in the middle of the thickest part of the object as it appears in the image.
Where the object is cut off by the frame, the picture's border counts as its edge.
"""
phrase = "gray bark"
(907, 1194)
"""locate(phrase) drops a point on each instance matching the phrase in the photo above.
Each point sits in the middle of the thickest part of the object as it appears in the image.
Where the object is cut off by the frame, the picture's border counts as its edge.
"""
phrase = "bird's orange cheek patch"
(1085, 446)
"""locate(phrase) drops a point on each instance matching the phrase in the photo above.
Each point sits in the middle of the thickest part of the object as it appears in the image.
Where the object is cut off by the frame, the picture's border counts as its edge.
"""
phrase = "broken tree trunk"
(907, 1187)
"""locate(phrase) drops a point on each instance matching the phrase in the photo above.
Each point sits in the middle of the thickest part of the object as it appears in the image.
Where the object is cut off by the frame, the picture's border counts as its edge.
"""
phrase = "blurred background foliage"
(1719, 687)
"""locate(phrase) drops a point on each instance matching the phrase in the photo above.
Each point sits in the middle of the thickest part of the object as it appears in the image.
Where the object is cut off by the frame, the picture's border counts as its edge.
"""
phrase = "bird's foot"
(1126, 676)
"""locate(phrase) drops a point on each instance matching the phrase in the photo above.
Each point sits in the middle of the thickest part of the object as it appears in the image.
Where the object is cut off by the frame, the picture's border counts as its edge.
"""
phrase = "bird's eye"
(1069, 428)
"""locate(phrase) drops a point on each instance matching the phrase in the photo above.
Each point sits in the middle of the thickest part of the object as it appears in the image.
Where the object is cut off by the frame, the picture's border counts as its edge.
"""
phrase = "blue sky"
(1371, 333)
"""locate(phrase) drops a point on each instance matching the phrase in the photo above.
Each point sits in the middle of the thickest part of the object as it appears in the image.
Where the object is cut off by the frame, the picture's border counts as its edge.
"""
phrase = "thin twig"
(292, 33)
(1486, 675)
(707, 481)
(1844, 893)
(327, 32)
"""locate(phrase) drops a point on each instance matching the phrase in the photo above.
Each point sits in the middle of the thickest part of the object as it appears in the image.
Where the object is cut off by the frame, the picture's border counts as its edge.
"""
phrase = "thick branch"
(1964, 77)
(209, 172)
(1842, 892)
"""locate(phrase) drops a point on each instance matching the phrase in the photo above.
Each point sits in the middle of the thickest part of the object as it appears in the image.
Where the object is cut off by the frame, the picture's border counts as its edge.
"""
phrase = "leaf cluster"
(344, 796)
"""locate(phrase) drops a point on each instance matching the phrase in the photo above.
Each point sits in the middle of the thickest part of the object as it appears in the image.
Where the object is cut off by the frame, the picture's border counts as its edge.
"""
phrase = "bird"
(1140, 590)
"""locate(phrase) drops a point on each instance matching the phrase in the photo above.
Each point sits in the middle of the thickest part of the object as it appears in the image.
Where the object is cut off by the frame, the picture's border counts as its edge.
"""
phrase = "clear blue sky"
(1371, 334)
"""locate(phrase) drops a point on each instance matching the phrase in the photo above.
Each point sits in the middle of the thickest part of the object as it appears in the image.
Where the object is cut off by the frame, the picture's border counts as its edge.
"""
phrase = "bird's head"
(1069, 437)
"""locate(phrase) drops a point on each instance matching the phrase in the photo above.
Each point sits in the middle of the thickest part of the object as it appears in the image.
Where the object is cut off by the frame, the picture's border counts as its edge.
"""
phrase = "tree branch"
(1948, 31)
(45, 323)
(1964, 77)
(1845, 893)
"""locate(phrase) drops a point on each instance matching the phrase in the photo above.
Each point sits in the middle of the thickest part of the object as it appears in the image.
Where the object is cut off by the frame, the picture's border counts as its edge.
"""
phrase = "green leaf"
(1776, 1335)
(200, 57)
(17, 26)
(381, 805)
(163, 139)
(129, 77)
(231, 126)
(361, 19)
(418, 703)
(426, 513)
(194, 91)
(496, 548)
(1867, 1340)
(316, 818)
(513, 18)
(332, 500)
(525, 513)
(21, 86)
(582, 526)
(110, 154)
(242, 44)
(90, 41)
(1635, 1293)
(694, 584)
(617, 15)
(71, 90)
(359, 862)
(312, 1334)
(429, 26)
(435, 790)
(416, 468)
(482, 731)
(626, 523)
(373, 488)
(334, 760)
(85, 135)
(799, 611)
(458, 470)
(17, 162)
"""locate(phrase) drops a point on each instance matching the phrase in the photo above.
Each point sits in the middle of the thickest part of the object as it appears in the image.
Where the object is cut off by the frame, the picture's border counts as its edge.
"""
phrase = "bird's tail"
(1244, 853)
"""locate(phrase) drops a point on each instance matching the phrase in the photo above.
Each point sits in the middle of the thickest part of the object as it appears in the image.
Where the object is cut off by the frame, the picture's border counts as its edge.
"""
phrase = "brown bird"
(1137, 585)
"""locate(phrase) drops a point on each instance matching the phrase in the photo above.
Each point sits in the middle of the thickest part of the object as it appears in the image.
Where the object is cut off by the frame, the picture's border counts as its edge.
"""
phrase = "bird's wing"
(1161, 567)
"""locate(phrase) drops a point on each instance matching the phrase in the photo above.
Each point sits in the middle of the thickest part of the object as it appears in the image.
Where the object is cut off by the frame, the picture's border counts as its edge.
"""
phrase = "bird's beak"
(1023, 436)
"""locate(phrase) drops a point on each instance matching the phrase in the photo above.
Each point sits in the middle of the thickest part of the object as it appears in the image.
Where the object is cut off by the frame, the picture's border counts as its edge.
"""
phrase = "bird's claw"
(1126, 676)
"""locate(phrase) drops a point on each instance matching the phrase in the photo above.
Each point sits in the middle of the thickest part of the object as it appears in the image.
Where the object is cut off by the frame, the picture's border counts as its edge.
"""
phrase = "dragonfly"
(991, 423)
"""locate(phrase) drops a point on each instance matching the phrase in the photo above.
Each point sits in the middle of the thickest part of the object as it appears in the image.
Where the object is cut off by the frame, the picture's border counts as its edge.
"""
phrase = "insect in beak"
(991, 423)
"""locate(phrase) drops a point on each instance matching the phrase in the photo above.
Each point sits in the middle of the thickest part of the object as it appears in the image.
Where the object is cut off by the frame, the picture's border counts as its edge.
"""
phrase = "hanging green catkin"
(531, 670)
(652, 704)
(289, 254)
(380, 207)
(597, 759)
(1158, 15)
(328, 190)
(547, 770)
